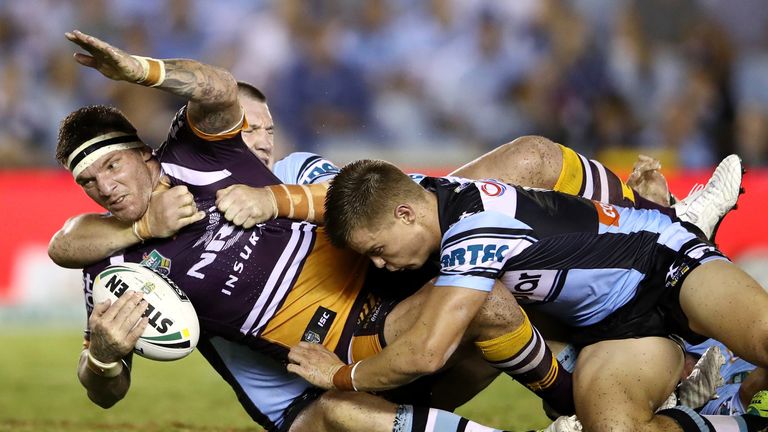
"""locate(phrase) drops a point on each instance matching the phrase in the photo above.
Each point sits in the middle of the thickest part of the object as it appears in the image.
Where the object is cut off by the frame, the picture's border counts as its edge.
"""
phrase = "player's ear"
(146, 153)
(405, 213)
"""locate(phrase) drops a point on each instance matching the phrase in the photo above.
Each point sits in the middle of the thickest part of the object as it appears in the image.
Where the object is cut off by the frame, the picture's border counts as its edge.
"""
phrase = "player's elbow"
(429, 360)
(105, 401)
(57, 251)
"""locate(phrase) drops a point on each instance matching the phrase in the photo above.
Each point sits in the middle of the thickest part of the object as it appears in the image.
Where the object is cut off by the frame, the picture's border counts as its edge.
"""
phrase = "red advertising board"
(35, 204)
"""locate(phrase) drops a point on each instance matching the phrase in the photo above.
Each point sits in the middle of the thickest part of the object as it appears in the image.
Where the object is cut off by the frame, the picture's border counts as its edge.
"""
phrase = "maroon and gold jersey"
(270, 286)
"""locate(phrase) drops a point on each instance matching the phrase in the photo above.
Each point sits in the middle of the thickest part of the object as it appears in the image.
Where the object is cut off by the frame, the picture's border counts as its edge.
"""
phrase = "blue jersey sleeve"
(475, 250)
(304, 168)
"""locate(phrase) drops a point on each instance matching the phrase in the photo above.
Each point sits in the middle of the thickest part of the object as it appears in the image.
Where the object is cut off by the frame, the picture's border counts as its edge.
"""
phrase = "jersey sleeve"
(304, 168)
(475, 250)
(207, 163)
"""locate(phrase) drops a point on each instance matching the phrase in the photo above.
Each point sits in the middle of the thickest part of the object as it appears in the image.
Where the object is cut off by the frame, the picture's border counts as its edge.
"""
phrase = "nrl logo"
(156, 261)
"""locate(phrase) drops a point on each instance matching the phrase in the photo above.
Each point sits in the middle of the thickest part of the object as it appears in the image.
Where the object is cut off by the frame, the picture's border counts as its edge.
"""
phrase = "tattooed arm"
(211, 91)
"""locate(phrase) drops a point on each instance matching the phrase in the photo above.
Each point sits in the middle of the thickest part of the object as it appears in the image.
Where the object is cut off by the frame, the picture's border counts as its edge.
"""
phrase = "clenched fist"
(246, 206)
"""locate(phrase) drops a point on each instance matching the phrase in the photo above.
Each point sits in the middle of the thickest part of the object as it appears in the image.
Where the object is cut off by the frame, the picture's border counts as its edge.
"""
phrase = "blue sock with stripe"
(691, 421)
(420, 419)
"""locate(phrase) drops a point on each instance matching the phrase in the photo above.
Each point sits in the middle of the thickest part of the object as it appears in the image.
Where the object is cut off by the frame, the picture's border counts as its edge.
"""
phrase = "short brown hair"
(87, 123)
(362, 194)
(251, 91)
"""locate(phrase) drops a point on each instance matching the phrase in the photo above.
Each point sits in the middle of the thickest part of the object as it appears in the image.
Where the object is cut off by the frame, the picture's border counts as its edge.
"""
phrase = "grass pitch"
(39, 392)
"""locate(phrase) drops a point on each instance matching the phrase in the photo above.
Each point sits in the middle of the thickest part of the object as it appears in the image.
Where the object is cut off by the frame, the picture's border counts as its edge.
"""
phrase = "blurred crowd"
(686, 80)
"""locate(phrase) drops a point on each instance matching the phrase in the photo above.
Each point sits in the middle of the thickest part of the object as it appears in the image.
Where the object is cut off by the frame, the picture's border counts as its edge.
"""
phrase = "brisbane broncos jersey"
(270, 286)
(574, 258)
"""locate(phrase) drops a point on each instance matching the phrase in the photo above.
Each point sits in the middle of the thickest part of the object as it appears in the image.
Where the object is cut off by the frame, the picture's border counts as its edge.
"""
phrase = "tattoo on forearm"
(213, 90)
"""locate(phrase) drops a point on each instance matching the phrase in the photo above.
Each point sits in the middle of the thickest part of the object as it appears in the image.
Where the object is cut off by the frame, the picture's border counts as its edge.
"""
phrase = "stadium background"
(427, 84)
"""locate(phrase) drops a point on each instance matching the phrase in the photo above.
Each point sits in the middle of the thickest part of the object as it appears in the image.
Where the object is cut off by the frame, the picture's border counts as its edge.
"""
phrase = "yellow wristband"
(154, 71)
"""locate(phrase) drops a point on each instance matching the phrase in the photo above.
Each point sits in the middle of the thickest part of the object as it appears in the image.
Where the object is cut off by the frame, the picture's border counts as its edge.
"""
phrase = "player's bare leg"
(506, 340)
(756, 381)
(618, 384)
(531, 161)
(338, 411)
(723, 302)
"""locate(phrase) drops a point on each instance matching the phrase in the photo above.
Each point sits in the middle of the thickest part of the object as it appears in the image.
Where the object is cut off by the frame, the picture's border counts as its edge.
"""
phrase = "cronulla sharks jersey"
(309, 168)
(270, 286)
(304, 168)
(575, 258)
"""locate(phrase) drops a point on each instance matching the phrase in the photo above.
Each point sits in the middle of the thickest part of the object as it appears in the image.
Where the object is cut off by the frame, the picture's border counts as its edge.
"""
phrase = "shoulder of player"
(304, 168)
(486, 224)
(182, 130)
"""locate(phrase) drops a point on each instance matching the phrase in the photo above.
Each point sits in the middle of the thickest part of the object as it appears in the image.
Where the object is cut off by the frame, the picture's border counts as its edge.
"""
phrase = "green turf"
(40, 392)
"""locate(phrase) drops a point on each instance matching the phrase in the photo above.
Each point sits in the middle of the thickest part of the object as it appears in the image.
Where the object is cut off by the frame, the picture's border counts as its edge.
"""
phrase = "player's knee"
(337, 409)
(531, 158)
(760, 343)
(499, 315)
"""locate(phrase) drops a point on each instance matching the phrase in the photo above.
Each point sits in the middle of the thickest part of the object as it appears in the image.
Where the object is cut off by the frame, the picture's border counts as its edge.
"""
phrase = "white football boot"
(564, 424)
(701, 384)
(706, 206)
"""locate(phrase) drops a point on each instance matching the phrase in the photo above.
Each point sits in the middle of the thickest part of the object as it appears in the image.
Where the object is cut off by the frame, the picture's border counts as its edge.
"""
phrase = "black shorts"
(297, 406)
(655, 310)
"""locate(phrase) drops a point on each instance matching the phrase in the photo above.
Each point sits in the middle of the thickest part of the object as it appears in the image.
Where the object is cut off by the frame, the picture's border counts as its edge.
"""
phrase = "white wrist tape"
(106, 370)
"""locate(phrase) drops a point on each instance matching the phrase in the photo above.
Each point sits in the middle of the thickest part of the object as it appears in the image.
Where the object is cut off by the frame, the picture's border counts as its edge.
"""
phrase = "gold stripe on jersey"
(331, 278)
(364, 346)
(572, 178)
(627, 191)
(571, 173)
(227, 134)
(545, 382)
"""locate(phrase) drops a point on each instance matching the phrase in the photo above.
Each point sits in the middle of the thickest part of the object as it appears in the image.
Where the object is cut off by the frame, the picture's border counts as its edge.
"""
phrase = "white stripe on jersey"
(520, 357)
(603, 181)
(494, 235)
(290, 275)
(275, 282)
(117, 259)
(194, 177)
(431, 420)
(588, 188)
(505, 202)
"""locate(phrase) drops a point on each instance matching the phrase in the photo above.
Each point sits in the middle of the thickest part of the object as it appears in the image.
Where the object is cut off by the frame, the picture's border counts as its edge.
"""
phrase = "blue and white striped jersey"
(304, 168)
(577, 259)
(309, 168)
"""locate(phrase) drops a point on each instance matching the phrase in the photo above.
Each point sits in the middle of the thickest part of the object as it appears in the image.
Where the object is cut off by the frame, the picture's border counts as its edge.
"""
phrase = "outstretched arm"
(212, 92)
(89, 238)
(422, 350)
(247, 206)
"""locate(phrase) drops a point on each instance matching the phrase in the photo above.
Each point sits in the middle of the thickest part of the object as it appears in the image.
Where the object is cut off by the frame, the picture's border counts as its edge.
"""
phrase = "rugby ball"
(173, 328)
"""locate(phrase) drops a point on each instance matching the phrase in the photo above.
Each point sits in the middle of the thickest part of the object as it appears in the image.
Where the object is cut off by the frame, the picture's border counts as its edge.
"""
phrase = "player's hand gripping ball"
(173, 328)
